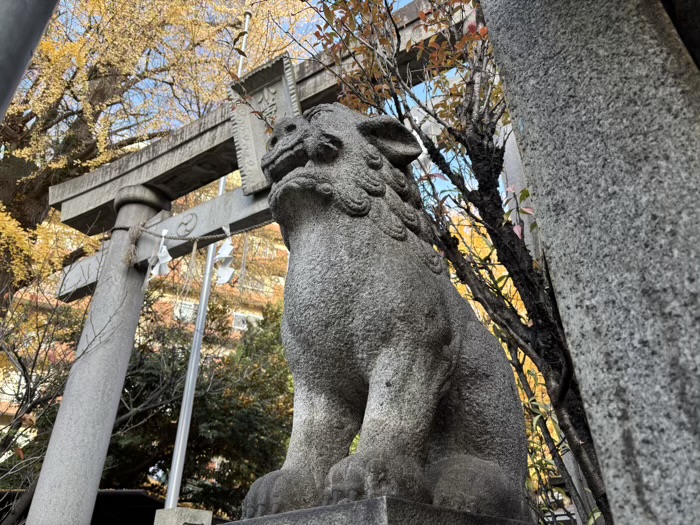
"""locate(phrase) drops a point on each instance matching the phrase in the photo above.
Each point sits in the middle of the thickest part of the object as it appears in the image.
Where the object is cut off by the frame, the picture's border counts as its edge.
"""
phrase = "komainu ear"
(392, 139)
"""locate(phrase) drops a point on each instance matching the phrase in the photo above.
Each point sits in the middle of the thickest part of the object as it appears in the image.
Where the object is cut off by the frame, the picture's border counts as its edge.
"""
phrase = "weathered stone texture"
(378, 338)
(233, 209)
(378, 511)
(606, 105)
(202, 151)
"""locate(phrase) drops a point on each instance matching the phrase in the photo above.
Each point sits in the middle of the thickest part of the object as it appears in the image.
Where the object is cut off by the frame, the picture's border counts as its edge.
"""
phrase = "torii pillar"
(83, 427)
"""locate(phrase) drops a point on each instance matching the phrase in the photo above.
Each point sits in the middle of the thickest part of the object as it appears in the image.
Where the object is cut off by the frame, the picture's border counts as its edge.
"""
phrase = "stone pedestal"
(378, 511)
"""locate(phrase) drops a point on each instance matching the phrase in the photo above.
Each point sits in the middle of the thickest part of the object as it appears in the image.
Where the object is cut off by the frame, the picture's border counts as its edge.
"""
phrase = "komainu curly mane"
(377, 338)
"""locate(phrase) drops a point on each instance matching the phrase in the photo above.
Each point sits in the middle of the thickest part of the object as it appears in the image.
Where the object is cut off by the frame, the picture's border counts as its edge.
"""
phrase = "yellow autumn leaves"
(132, 69)
(40, 253)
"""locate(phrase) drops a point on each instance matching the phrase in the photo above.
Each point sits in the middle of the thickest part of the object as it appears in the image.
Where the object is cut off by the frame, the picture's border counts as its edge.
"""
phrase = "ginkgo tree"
(110, 76)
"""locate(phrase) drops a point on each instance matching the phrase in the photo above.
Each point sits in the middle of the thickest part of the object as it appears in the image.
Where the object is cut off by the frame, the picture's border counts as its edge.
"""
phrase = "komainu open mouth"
(281, 163)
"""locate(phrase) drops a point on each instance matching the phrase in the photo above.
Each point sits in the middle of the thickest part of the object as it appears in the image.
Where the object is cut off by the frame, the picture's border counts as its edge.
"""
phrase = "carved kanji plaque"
(262, 96)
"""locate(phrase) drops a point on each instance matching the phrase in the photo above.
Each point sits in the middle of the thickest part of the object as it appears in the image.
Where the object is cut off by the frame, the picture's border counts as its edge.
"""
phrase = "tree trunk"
(20, 508)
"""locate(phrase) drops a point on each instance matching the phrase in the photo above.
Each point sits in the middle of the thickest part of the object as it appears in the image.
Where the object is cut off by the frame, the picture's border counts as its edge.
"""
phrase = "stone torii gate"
(138, 190)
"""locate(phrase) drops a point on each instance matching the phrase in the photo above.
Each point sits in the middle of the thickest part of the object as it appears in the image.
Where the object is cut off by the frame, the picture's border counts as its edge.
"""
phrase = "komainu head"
(359, 164)
(356, 164)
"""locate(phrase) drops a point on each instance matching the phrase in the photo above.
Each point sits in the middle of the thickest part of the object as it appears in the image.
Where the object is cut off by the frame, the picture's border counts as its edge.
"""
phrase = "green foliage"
(594, 517)
(241, 416)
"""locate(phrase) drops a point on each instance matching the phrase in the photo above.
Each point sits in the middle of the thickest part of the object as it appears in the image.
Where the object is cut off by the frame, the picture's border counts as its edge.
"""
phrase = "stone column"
(605, 102)
(70, 475)
(22, 23)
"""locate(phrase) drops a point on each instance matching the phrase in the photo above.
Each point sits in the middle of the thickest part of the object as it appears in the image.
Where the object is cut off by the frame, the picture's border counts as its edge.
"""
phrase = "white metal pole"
(183, 425)
(248, 16)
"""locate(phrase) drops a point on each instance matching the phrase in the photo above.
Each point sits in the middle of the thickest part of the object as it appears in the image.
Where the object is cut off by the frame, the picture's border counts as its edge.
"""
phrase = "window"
(185, 311)
(240, 322)
(256, 285)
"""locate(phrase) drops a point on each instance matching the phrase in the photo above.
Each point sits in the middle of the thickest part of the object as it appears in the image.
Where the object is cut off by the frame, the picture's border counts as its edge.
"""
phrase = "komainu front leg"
(391, 456)
(323, 429)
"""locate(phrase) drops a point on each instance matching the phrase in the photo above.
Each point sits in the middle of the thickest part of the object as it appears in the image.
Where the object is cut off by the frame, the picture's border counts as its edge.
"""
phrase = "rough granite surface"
(606, 107)
(378, 339)
(378, 511)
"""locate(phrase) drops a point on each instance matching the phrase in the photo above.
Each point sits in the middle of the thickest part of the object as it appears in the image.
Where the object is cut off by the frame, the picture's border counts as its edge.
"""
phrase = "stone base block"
(378, 511)
(183, 516)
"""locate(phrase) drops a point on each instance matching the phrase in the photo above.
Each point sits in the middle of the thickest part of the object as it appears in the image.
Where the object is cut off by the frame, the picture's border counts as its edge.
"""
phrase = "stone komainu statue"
(378, 339)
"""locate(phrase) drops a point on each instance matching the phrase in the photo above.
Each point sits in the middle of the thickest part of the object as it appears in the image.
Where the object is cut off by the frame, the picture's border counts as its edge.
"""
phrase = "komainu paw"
(363, 476)
(280, 491)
